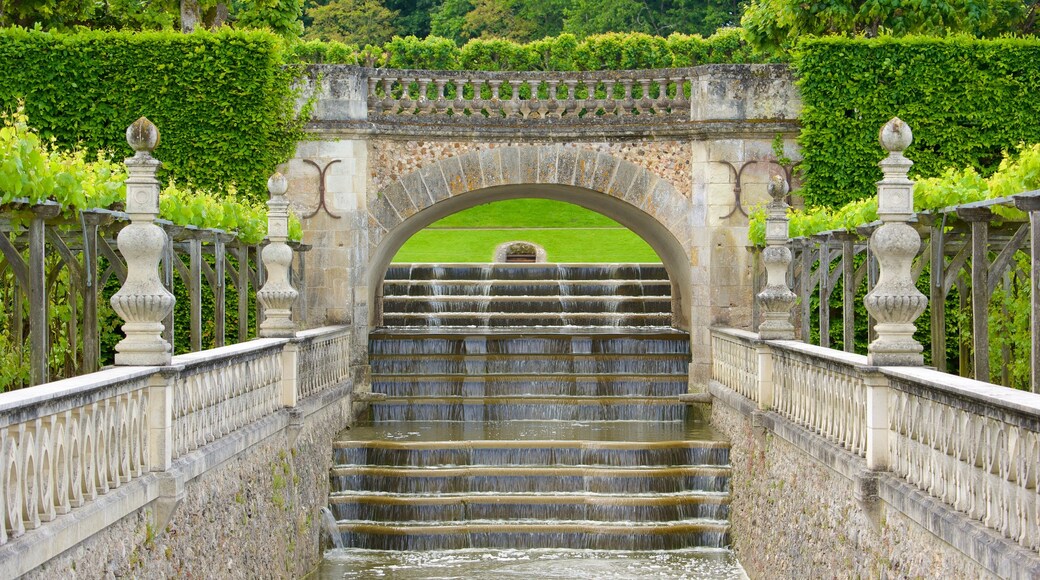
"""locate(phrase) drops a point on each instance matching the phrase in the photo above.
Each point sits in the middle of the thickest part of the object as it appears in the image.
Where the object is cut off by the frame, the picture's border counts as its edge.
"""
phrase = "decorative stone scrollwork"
(895, 301)
(277, 295)
(776, 298)
(142, 301)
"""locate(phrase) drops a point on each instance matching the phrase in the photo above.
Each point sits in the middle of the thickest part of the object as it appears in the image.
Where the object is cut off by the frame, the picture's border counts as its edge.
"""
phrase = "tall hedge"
(223, 101)
(966, 101)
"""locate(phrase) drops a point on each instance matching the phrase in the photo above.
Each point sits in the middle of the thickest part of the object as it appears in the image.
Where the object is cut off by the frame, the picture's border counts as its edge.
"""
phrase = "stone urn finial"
(895, 301)
(776, 298)
(143, 136)
(277, 295)
(142, 301)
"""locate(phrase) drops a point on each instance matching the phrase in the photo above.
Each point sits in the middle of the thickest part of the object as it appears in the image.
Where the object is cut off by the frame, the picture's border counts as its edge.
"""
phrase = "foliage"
(778, 24)
(614, 51)
(222, 101)
(966, 100)
(352, 21)
(1016, 173)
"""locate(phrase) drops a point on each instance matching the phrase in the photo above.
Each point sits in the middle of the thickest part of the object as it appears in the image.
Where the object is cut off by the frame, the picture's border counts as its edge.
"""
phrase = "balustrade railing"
(319, 365)
(821, 390)
(586, 96)
(65, 444)
(734, 360)
(973, 445)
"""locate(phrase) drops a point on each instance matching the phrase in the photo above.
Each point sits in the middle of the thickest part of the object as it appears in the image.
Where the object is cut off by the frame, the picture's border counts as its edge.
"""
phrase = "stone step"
(520, 408)
(526, 305)
(544, 385)
(529, 319)
(572, 535)
(669, 364)
(531, 479)
(543, 271)
(462, 288)
(530, 342)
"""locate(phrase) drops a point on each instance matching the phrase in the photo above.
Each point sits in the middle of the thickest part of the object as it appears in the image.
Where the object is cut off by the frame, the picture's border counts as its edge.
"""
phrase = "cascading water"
(531, 428)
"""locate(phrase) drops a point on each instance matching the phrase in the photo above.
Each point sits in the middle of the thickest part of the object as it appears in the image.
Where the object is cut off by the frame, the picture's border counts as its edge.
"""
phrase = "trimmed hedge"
(223, 102)
(614, 51)
(967, 101)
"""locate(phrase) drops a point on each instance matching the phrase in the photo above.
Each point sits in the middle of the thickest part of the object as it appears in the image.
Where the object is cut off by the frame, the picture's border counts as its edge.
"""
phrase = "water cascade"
(530, 406)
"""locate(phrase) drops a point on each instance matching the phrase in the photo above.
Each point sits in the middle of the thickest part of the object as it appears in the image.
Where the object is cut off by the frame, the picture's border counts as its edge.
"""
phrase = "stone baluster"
(662, 104)
(476, 103)
(591, 102)
(511, 106)
(389, 103)
(142, 301)
(440, 104)
(277, 294)
(569, 103)
(534, 104)
(552, 105)
(460, 96)
(425, 104)
(375, 102)
(495, 106)
(609, 104)
(645, 104)
(895, 302)
(628, 102)
(408, 104)
(776, 298)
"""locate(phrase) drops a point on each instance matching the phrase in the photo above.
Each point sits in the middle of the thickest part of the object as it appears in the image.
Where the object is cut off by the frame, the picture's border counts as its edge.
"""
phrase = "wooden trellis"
(40, 242)
(967, 247)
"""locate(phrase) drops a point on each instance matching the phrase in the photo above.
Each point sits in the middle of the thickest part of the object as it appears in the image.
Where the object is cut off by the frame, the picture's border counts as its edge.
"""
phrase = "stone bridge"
(216, 463)
(678, 156)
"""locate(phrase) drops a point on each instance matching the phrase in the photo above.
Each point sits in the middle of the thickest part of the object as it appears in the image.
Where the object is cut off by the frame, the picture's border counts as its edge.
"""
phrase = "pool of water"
(548, 564)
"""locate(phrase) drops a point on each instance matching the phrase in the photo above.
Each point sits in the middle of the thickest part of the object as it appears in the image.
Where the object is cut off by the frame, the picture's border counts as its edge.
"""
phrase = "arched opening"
(673, 256)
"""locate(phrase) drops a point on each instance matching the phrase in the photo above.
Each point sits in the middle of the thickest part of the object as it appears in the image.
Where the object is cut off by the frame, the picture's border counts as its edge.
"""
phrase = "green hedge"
(223, 102)
(967, 101)
(615, 51)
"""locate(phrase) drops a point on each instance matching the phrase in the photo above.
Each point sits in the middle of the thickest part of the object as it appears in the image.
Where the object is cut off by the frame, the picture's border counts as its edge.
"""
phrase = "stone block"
(606, 165)
(510, 157)
(384, 214)
(623, 179)
(731, 150)
(397, 197)
(548, 156)
(567, 165)
(641, 188)
(585, 168)
(417, 191)
(528, 164)
(491, 167)
(470, 163)
(436, 186)
(454, 176)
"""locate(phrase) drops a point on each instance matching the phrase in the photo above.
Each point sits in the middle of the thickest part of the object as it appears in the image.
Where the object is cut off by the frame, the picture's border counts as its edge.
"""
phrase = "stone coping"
(988, 394)
(814, 351)
(70, 393)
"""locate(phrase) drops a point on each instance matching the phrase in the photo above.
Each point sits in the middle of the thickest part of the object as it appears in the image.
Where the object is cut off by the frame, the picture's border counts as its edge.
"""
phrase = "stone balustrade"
(66, 445)
(821, 390)
(735, 361)
(973, 446)
(586, 96)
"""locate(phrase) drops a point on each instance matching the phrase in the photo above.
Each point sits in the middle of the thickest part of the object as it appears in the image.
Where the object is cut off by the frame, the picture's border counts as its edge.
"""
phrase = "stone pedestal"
(277, 295)
(142, 301)
(895, 301)
(777, 298)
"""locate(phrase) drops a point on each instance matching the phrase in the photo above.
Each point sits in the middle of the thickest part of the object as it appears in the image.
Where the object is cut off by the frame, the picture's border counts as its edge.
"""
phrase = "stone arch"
(621, 190)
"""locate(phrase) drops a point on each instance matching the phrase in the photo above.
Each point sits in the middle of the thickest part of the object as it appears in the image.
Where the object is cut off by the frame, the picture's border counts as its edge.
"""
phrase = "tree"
(497, 19)
(448, 20)
(774, 24)
(660, 17)
(358, 22)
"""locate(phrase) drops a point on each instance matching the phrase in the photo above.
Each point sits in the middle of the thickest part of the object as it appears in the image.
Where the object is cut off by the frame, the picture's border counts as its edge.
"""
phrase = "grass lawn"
(569, 233)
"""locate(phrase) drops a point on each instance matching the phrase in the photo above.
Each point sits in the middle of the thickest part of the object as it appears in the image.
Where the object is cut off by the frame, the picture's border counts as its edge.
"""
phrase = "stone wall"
(253, 516)
(793, 516)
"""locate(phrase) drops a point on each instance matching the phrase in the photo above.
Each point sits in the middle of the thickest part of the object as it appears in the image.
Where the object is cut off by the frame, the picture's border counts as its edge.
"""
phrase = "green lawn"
(569, 233)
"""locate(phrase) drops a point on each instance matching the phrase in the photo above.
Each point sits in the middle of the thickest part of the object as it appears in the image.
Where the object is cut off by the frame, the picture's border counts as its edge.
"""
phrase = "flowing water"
(530, 428)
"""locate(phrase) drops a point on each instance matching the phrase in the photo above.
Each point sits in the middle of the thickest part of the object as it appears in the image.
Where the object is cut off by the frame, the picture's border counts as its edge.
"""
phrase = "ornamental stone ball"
(277, 184)
(896, 135)
(142, 135)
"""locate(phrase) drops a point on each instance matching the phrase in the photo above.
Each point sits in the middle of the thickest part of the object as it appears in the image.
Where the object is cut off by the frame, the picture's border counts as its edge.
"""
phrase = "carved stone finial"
(776, 298)
(277, 185)
(896, 135)
(277, 295)
(895, 301)
(142, 301)
(143, 135)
